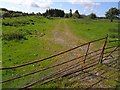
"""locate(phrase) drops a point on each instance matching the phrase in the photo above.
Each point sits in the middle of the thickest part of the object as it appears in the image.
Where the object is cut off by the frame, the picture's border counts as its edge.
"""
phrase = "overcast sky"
(83, 6)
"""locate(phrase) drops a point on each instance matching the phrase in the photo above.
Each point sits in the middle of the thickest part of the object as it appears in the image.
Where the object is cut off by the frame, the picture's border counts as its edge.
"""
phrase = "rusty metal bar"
(102, 53)
(113, 51)
(38, 71)
(86, 52)
(100, 76)
(33, 83)
(55, 55)
(11, 79)
(101, 57)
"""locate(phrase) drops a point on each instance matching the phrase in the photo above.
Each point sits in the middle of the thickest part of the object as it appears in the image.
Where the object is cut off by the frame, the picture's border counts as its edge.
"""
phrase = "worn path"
(62, 35)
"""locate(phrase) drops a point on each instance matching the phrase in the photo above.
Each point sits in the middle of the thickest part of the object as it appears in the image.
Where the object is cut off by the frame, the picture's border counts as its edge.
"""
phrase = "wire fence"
(90, 59)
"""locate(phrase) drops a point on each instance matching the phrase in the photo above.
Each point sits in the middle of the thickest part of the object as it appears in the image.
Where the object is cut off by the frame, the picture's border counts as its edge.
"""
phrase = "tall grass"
(13, 36)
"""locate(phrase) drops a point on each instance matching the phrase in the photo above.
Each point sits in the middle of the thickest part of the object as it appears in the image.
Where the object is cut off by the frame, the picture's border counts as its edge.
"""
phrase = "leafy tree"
(92, 16)
(76, 14)
(70, 15)
(4, 9)
(112, 13)
(54, 13)
(39, 14)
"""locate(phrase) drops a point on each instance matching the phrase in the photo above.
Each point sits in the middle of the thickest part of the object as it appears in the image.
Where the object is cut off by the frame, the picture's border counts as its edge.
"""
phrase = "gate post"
(102, 53)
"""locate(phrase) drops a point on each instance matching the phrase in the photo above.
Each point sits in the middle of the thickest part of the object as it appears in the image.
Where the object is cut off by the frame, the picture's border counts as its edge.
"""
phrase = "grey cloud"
(33, 4)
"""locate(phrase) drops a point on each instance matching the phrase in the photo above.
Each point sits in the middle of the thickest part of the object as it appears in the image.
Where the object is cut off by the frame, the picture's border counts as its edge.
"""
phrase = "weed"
(13, 36)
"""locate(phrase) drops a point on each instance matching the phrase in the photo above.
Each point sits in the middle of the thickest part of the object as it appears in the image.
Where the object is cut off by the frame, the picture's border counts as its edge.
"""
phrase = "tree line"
(54, 13)
(112, 13)
(10, 13)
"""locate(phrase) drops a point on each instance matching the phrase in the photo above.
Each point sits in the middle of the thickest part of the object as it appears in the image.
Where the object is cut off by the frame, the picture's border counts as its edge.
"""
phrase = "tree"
(66, 15)
(76, 14)
(32, 14)
(54, 13)
(112, 13)
(70, 15)
(39, 14)
(92, 16)
(6, 15)
(25, 14)
(4, 9)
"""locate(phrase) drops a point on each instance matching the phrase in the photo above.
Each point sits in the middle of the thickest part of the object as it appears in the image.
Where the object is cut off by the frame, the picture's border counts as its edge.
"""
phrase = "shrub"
(66, 15)
(92, 16)
(13, 36)
(114, 35)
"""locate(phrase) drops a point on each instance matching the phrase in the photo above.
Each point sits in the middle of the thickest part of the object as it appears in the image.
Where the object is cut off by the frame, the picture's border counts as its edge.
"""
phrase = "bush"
(66, 15)
(13, 36)
(92, 16)
(114, 35)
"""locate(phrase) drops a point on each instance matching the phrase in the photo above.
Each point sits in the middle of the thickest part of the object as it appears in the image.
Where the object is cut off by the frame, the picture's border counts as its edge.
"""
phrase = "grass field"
(31, 38)
(93, 29)
(33, 47)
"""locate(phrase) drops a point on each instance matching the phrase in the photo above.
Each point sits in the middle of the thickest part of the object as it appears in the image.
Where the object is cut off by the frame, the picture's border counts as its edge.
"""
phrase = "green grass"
(89, 29)
(35, 47)
(38, 44)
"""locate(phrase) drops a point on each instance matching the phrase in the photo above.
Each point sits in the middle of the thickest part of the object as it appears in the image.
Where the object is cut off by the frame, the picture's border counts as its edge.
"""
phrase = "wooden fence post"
(102, 53)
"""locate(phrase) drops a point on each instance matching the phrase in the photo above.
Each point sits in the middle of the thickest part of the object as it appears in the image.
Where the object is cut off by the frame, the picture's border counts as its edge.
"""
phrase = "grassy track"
(40, 37)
